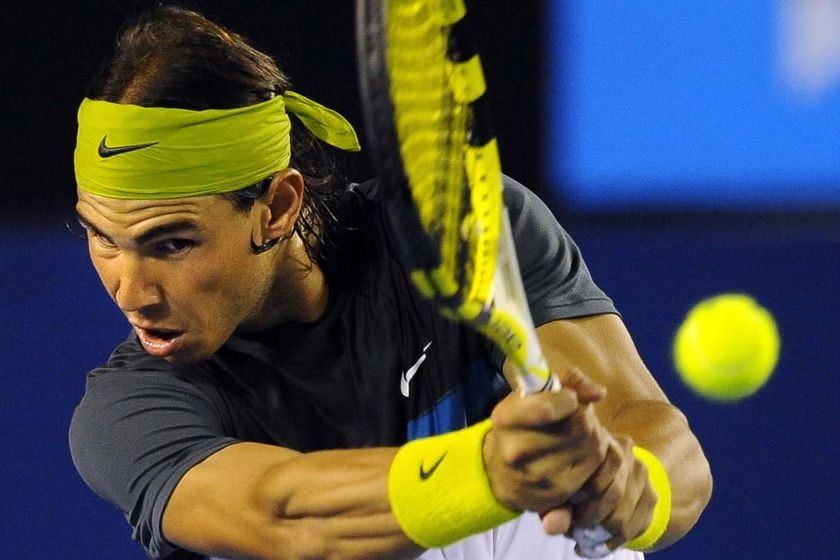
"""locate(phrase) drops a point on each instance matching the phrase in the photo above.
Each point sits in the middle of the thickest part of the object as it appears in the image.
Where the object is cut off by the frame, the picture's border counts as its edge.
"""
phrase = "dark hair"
(173, 57)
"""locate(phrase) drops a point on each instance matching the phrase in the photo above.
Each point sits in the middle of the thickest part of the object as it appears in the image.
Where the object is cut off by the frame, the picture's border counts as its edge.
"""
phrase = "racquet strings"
(450, 157)
(432, 97)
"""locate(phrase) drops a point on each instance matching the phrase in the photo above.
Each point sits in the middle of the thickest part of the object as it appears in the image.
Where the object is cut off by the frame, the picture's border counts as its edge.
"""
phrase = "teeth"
(161, 334)
(154, 344)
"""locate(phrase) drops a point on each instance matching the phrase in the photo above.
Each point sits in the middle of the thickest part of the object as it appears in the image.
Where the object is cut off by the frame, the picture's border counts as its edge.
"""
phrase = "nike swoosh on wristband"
(411, 372)
(106, 151)
(425, 474)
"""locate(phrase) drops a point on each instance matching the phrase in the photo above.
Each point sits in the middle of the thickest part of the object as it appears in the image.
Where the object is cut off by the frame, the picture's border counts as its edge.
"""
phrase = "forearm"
(663, 430)
(334, 504)
(260, 501)
(634, 406)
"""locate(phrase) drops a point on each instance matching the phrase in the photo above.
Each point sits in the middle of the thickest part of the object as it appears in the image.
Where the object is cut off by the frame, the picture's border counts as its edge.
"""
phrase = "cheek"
(223, 291)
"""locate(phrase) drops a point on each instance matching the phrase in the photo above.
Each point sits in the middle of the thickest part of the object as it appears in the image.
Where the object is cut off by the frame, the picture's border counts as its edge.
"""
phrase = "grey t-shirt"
(331, 384)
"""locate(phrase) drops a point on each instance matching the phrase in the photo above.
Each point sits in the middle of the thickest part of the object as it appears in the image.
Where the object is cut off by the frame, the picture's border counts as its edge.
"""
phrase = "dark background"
(774, 456)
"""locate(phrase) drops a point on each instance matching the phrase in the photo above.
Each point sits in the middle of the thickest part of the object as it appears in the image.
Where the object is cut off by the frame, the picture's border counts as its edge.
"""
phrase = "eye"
(173, 247)
(101, 239)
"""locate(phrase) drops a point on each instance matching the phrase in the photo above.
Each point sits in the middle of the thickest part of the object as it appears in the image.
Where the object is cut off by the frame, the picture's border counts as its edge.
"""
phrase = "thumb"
(557, 521)
(587, 390)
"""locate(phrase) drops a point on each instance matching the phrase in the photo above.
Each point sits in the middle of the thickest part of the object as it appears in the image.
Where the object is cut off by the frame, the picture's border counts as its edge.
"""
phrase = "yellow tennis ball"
(727, 347)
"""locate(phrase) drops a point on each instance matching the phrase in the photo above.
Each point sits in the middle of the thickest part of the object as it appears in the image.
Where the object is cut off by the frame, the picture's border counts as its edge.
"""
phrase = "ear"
(280, 206)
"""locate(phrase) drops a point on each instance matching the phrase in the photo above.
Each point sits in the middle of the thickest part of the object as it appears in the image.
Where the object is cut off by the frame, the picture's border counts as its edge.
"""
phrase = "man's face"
(180, 270)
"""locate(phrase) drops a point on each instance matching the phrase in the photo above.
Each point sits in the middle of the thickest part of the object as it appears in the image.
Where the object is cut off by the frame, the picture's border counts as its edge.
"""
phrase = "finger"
(537, 473)
(603, 478)
(544, 452)
(624, 521)
(543, 484)
(587, 390)
(640, 519)
(602, 493)
(579, 439)
(538, 410)
(557, 521)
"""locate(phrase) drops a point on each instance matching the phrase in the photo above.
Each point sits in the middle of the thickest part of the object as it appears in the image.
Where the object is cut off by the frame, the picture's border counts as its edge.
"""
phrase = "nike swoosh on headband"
(106, 151)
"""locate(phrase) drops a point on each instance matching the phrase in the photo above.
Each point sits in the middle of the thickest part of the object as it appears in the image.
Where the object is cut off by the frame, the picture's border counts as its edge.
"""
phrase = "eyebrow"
(175, 228)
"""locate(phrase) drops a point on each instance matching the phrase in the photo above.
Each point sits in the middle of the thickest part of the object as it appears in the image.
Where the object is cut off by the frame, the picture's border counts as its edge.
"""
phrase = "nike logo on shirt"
(409, 374)
(106, 151)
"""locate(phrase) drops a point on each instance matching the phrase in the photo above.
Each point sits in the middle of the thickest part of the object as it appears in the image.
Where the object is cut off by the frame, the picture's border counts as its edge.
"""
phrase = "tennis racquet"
(427, 118)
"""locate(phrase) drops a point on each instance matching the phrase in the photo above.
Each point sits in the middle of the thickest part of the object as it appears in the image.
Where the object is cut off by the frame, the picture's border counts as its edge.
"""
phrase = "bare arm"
(258, 501)
(634, 406)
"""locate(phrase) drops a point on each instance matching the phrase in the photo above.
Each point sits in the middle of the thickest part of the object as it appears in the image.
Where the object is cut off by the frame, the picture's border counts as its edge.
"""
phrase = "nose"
(137, 289)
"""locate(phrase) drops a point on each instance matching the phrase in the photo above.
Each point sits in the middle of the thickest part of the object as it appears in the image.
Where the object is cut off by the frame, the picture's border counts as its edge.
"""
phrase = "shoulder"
(139, 427)
(524, 206)
(129, 394)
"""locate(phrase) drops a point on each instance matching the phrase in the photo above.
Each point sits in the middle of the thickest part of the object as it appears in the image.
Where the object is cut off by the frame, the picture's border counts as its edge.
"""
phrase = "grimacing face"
(181, 270)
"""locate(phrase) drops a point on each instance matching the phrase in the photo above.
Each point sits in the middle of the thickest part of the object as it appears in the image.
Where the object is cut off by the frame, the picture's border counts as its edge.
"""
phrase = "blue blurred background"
(690, 148)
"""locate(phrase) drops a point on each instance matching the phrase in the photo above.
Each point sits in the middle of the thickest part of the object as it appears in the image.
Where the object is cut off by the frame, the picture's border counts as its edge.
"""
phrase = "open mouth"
(159, 342)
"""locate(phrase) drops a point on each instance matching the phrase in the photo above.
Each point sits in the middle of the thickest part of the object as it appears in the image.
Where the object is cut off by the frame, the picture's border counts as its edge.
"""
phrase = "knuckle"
(587, 467)
(618, 527)
(637, 525)
(649, 498)
(580, 431)
(602, 448)
(613, 459)
(540, 479)
(574, 376)
(500, 415)
(545, 407)
(623, 534)
(595, 458)
(610, 501)
(619, 486)
(602, 508)
(510, 449)
(514, 453)
(640, 473)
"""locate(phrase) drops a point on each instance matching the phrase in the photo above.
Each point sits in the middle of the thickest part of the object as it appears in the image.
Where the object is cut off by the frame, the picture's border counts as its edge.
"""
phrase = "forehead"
(112, 214)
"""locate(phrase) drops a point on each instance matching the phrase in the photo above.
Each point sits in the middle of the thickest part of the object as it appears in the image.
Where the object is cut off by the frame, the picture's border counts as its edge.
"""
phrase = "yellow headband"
(132, 152)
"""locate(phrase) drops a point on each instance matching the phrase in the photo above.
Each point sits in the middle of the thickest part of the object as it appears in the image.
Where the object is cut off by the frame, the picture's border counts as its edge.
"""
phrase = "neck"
(298, 292)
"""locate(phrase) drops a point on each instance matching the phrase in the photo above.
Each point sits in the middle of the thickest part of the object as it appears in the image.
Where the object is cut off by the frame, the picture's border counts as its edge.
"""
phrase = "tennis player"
(284, 393)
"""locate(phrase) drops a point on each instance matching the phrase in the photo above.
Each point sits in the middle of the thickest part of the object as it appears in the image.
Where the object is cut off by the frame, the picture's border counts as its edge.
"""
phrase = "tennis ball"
(727, 347)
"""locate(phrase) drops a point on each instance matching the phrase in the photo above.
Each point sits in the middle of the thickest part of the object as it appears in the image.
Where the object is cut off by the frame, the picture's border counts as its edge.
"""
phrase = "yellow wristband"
(660, 482)
(439, 490)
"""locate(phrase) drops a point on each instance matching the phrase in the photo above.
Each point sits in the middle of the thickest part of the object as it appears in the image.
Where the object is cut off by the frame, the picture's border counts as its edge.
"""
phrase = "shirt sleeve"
(557, 282)
(134, 435)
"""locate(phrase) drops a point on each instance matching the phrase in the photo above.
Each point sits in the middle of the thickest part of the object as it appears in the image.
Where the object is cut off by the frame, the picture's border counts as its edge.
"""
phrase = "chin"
(193, 355)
